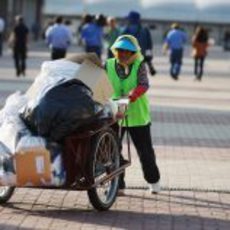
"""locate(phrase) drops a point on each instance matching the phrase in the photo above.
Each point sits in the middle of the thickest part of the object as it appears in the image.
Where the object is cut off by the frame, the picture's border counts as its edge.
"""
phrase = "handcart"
(92, 162)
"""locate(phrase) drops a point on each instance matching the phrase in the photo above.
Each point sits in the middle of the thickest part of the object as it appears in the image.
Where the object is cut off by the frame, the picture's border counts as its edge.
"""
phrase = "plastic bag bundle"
(11, 131)
(7, 169)
(52, 74)
(62, 111)
(13, 104)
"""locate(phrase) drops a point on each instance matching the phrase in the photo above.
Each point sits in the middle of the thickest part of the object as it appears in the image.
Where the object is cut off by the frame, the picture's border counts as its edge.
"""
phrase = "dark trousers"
(151, 68)
(141, 138)
(149, 63)
(176, 62)
(19, 55)
(57, 53)
(198, 67)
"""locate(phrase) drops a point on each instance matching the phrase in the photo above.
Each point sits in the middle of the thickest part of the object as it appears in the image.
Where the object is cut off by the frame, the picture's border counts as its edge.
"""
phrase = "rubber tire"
(7, 194)
(95, 200)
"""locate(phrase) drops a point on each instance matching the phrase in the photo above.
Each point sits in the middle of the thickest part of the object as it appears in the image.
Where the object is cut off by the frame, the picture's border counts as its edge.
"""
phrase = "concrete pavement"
(191, 136)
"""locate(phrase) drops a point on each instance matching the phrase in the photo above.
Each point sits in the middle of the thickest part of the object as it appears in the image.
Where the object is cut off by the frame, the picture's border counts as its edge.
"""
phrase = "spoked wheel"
(105, 160)
(5, 193)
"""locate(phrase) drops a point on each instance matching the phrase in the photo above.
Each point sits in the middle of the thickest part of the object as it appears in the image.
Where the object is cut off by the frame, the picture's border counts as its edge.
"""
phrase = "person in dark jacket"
(19, 45)
(143, 35)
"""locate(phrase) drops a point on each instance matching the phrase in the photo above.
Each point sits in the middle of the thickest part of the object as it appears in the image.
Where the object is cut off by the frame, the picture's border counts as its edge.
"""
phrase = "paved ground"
(191, 135)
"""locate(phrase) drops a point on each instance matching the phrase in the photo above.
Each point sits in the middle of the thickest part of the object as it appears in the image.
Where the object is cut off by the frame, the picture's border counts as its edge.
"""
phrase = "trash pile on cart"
(66, 95)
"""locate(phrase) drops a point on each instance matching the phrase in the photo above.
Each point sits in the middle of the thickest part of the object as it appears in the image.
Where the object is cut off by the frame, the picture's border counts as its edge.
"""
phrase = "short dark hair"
(19, 19)
(88, 18)
(101, 20)
(59, 19)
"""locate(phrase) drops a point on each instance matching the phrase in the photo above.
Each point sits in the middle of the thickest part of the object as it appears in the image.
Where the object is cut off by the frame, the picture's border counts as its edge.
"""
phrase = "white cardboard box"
(97, 80)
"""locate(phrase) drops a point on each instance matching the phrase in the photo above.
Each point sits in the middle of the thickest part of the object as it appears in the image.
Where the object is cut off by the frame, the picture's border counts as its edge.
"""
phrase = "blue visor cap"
(125, 44)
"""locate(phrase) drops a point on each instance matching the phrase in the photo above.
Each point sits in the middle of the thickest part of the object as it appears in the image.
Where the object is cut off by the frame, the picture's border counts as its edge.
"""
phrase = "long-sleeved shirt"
(92, 34)
(58, 36)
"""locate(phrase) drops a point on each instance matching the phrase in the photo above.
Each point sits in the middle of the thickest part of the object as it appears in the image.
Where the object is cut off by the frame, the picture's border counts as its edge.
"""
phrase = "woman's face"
(124, 55)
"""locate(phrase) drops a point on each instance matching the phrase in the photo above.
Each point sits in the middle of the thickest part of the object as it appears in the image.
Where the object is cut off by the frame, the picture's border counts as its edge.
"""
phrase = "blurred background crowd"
(95, 25)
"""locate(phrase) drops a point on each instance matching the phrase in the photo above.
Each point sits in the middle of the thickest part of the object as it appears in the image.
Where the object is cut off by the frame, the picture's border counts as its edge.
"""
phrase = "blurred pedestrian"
(92, 35)
(112, 34)
(175, 41)
(143, 35)
(19, 44)
(79, 29)
(2, 27)
(58, 38)
(199, 45)
(46, 28)
(226, 40)
(128, 76)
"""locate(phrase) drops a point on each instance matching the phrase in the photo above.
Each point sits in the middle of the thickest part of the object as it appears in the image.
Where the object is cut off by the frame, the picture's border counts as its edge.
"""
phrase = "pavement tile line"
(186, 189)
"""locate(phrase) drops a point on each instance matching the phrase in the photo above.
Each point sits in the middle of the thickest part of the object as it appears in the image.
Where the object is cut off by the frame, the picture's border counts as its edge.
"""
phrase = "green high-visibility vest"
(138, 112)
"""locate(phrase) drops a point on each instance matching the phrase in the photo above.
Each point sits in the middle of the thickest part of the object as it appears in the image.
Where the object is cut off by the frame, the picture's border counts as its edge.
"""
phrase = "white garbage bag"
(52, 74)
(7, 168)
(13, 104)
(11, 130)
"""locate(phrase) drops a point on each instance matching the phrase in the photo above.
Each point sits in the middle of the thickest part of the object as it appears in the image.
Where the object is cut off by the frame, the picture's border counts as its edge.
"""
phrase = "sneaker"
(155, 187)
(152, 71)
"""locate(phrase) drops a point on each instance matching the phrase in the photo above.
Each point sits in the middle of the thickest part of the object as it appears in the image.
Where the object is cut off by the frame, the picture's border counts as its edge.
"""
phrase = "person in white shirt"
(2, 27)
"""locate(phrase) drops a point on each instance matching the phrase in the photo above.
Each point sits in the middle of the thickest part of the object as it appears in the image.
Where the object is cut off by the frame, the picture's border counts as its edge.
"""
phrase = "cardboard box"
(97, 80)
(33, 167)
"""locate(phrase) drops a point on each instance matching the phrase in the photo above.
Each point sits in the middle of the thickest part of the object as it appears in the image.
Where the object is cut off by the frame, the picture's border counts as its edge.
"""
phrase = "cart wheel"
(105, 160)
(5, 193)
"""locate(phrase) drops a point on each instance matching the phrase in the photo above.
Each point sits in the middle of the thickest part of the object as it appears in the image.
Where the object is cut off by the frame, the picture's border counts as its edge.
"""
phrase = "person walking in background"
(128, 76)
(46, 28)
(199, 52)
(58, 38)
(19, 44)
(2, 27)
(175, 41)
(112, 34)
(92, 35)
(143, 35)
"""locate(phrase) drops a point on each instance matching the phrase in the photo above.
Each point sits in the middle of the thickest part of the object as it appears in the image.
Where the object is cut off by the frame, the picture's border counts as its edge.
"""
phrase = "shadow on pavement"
(189, 209)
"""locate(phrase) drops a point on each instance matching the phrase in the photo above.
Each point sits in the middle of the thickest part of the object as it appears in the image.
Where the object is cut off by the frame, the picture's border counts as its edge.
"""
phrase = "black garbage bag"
(62, 111)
